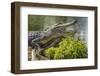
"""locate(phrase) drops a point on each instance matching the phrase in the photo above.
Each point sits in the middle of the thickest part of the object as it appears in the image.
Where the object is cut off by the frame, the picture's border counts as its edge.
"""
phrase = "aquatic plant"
(69, 48)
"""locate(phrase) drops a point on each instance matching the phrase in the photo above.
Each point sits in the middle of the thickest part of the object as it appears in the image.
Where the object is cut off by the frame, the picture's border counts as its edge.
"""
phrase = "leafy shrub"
(69, 48)
(50, 52)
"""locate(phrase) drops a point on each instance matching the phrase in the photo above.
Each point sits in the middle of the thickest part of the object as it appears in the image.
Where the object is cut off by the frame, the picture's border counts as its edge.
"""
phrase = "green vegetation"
(68, 48)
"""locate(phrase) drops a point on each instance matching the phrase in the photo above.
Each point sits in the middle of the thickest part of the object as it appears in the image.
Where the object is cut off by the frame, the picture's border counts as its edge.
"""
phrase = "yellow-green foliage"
(69, 48)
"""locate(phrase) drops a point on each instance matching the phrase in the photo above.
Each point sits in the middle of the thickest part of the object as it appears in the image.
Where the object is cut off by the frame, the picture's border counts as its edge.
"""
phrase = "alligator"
(41, 40)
